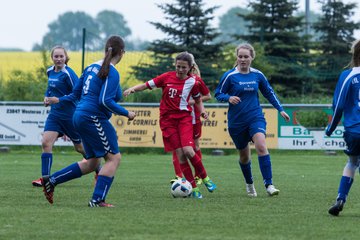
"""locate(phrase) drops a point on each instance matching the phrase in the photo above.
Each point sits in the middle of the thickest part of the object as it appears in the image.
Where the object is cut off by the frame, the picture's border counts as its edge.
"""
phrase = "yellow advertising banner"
(144, 130)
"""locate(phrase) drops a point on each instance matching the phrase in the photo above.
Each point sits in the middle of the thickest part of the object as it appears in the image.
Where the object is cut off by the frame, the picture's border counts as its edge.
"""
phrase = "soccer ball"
(181, 188)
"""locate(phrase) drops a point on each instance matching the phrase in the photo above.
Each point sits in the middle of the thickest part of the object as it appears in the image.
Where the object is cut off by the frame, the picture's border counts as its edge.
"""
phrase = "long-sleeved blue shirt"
(61, 84)
(98, 97)
(245, 86)
(347, 100)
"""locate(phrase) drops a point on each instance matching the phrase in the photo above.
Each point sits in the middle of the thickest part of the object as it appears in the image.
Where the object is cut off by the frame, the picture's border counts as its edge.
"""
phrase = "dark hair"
(355, 49)
(113, 47)
(60, 47)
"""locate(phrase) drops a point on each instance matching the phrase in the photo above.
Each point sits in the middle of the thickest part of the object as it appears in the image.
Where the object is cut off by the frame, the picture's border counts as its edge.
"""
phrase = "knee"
(353, 163)
(115, 160)
(46, 145)
(244, 158)
(189, 152)
(262, 150)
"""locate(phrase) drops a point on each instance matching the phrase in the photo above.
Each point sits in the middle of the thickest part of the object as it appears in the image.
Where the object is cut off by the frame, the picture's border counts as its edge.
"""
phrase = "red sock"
(186, 170)
(196, 162)
(198, 152)
(176, 164)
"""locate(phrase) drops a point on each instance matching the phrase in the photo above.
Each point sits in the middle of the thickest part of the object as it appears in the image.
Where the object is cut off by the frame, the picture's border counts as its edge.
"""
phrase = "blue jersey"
(61, 84)
(245, 86)
(99, 97)
(347, 100)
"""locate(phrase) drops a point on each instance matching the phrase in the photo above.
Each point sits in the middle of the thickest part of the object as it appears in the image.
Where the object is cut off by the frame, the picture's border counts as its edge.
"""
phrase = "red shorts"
(177, 132)
(197, 130)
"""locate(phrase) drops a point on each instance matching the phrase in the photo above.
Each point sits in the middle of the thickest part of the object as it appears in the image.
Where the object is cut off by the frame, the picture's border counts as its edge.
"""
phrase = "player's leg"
(245, 166)
(353, 151)
(47, 143)
(257, 130)
(185, 127)
(105, 180)
(70, 131)
(196, 136)
(177, 168)
(73, 171)
(241, 140)
(346, 182)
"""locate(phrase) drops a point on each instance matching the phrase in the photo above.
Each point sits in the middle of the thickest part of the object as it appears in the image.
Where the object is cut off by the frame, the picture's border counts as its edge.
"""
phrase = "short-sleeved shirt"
(175, 93)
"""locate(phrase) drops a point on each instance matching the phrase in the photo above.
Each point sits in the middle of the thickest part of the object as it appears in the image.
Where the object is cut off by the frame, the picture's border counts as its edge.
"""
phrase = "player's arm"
(74, 96)
(108, 95)
(340, 94)
(200, 106)
(267, 91)
(221, 91)
(137, 88)
(151, 84)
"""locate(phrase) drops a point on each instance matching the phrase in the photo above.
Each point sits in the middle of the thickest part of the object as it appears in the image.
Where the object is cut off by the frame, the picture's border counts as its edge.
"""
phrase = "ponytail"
(113, 47)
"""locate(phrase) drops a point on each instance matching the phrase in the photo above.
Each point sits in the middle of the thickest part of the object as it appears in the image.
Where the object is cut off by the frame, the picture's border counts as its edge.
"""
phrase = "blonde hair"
(247, 46)
(60, 47)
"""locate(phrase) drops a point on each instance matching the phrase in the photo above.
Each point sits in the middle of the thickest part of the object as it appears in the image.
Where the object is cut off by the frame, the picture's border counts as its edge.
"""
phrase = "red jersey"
(175, 92)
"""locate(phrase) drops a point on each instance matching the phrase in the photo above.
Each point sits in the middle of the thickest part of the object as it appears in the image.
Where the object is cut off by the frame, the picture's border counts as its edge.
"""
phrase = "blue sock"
(102, 188)
(46, 163)
(344, 188)
(66, 174)
(246, 170)
(265, 168)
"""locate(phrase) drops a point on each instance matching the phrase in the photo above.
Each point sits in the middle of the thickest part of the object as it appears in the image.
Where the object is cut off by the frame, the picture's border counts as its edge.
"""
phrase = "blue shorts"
(98, 135)
(353, 143)
(242, 138)
(63, 127)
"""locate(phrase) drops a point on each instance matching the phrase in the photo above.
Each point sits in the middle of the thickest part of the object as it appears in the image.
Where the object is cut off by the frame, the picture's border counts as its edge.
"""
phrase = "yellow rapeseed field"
(29, 61)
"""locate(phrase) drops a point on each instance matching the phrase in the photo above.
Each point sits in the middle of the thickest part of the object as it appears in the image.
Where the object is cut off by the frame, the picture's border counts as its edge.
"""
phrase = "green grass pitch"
(308, 182)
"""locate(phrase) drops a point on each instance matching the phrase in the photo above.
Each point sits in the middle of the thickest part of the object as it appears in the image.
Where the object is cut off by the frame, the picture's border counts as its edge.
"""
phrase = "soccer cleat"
(196, 193)
(209, 184)
(336, 208)
(94, 203)
(48, 188)
(272, 191)
(37, 183)
(174, 179)
(250, 189)
(198, 180)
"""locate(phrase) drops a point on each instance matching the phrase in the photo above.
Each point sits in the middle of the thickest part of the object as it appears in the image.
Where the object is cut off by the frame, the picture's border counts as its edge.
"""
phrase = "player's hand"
(53, 100)
(327, 132)
(46, 102)
(128, 91)
(131, 115)
(204, 115)
(234, 100)
(285, 116)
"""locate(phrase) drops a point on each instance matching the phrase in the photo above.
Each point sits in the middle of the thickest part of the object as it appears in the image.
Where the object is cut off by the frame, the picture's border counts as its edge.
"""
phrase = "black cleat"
(336, 208)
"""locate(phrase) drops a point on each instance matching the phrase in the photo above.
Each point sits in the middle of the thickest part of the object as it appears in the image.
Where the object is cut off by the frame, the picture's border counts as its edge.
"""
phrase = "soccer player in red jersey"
(175, 116)
(205, 96)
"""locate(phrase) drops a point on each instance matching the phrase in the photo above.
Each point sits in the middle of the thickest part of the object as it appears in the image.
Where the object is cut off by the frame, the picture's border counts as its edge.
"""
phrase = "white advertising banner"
(298, 137)
(24, 125)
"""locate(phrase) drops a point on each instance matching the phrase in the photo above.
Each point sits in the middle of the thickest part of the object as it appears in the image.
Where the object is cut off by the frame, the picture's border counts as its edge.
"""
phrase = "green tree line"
(302, 66)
